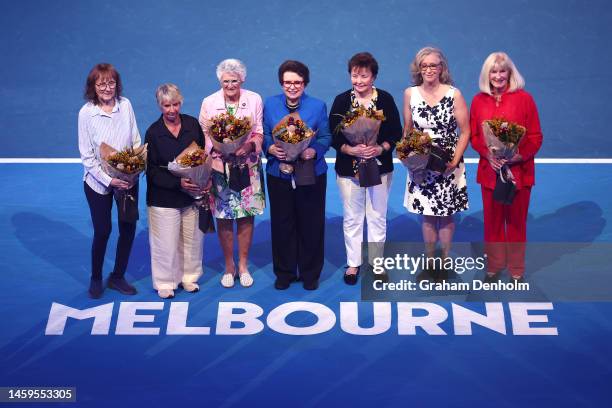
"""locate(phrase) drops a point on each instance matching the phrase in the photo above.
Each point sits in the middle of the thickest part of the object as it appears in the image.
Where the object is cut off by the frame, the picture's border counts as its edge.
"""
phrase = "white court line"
(19, 160)
(37, 160)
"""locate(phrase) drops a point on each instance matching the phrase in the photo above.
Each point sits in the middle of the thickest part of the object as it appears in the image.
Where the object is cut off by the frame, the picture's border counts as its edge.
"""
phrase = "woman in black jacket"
(174, 234)
(369, 203)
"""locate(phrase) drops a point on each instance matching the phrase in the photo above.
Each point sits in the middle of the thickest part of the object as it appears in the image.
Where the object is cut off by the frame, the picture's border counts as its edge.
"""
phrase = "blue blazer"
(314, 113)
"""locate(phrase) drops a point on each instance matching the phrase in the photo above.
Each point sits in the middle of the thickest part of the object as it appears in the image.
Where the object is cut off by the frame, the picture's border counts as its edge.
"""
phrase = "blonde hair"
(415, 66)
(168, 92)
(503, 61)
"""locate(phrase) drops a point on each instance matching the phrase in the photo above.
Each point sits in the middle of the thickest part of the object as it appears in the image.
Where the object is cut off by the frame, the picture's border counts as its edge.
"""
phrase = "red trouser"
(505, 231)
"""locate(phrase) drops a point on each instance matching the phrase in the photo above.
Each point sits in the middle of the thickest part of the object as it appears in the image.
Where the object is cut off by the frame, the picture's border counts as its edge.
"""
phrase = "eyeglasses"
(289, 84)
(227, 82)
(433, 67)
(109, 84)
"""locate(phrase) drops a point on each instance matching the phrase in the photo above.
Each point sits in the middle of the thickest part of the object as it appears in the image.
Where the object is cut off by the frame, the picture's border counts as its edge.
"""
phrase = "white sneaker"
(165, 293)
(191, 287)
(227, 281)
(246, 279)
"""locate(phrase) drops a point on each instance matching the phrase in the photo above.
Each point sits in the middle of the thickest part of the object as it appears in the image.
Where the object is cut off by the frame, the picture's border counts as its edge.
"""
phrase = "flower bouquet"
(193, 163)
(413, 151)
(502, 138)
(228, 133)
(361, 126)
(293, 135)
(125, 165)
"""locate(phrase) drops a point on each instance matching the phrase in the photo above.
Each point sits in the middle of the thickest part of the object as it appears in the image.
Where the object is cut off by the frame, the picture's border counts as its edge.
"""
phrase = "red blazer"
(518, 107)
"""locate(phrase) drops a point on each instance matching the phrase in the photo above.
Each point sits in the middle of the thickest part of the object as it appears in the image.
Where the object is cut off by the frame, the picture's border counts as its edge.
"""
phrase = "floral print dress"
(438, 194)
(226, 203)
(229, 204)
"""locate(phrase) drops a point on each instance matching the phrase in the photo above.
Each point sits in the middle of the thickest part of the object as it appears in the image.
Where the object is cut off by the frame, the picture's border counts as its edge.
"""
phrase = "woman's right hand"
(496, 163)
(360, 150)
(277, 152)
(120, 184)
(188, 186)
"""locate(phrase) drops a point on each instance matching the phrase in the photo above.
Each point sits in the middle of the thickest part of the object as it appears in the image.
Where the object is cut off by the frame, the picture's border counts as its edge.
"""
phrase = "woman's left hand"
(515, 159)
(308, 153)
(375, 151)
(450, 167)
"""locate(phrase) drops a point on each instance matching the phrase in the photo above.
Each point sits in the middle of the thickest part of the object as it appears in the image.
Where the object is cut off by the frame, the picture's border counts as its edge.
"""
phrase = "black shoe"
(442, 275)
(314, 285)
(382, 277)
(424, 275)
(351, 279)
(120, 285)
(491, 278)
(96, 288)
(282, 284)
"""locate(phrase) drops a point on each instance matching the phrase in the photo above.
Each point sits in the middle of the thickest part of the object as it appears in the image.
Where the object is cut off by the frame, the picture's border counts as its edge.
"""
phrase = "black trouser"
(298, 228)
(100, 207)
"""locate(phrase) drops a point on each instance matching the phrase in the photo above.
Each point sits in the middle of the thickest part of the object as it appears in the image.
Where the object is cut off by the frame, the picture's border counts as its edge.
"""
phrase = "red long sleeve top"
(518, 107)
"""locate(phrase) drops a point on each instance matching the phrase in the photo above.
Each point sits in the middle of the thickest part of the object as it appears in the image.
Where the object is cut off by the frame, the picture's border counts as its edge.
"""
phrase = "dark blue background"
(561, 47)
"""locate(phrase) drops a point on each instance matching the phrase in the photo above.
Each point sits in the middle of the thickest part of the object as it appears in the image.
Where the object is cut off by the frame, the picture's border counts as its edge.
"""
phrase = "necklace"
(231, 108)
(292, 108)
(371, 103)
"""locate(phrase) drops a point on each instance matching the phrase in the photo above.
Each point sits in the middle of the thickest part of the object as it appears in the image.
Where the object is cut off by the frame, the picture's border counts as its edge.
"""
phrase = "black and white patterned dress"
(438, 194)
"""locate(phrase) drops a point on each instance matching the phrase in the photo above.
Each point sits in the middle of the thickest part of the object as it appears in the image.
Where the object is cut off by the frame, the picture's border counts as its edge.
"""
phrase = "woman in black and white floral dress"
(433, 105)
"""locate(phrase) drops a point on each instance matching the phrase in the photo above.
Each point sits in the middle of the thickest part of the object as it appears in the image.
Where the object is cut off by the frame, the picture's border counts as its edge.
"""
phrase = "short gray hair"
(232, 66)
(168, 92)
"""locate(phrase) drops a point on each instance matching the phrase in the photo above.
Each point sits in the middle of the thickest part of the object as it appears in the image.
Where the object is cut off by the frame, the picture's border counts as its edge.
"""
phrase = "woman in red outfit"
(505, 226)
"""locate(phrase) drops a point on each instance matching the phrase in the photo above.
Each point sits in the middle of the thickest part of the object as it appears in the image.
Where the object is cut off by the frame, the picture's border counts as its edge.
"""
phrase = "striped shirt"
(117, 129)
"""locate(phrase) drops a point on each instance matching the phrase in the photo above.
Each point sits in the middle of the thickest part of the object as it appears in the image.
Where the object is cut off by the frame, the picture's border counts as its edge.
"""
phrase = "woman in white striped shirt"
(106, 117)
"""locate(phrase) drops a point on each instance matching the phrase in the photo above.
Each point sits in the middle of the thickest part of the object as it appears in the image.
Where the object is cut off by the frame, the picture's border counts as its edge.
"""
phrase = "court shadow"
(67, 249)
(582, 221)
(569, 231)
(403, 227)
(260, 254)
(469, 228)
(335, 252)
(139, 265)
(55, 242)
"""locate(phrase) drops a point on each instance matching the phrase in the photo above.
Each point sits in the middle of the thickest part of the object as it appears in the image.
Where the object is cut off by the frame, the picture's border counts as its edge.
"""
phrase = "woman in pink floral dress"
(227, 204)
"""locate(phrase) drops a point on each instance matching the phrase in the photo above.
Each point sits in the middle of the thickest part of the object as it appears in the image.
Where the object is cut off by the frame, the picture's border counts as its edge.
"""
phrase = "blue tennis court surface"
(561, 48)
(45, 254)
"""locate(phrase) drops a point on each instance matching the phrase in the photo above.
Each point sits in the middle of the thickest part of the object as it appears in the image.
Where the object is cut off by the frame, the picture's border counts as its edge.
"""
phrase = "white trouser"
(176, 246)
(360, 202)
